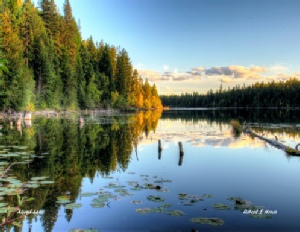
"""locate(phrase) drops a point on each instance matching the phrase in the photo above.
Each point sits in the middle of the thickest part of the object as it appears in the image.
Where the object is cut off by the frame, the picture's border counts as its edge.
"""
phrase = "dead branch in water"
(275, 143)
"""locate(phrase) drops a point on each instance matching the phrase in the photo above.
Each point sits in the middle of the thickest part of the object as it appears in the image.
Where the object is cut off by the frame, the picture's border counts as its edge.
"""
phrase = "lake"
(109, 174)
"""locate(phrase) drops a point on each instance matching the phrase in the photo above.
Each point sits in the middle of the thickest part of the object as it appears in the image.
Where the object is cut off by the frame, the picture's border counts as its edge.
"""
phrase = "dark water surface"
(112, 170)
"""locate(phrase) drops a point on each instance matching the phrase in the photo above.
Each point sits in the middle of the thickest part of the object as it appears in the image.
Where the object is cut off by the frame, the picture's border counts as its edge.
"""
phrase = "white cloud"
(166, 68)
(139, 66)
(202, 79)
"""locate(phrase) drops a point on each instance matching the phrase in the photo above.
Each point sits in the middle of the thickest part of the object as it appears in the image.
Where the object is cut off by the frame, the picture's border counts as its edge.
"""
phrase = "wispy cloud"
(223, 73)
(202, 79)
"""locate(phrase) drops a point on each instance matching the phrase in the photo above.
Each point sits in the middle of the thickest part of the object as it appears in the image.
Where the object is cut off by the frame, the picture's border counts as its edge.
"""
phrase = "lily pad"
(98, 203)
(143, 211)
(132, 183)
(63, 199)
(47, 182)
(137, 188)
(155, 198)
(39, 178)
(123, 192)
(10, 155)
(221, 206)
(88, 194)
(261, 216)
(143, 175)
(114, 185)
(158, 210)
(207, 195)
(32, 185)
(2, 204)
(175, 213)
(183, 196)
(165, 205)
(73, 206)
(209, 221)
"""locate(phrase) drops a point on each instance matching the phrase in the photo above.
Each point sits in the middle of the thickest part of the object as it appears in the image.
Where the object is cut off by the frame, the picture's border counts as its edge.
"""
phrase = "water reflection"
(66, 151)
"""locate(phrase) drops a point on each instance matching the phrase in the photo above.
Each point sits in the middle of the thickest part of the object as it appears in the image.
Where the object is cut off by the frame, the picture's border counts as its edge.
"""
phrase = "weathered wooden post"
(159, 149)
(181, 153)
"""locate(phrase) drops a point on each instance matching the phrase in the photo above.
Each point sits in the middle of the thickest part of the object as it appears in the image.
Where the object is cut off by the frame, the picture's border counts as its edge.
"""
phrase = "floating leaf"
(88, 194)
(165, 205)
(132, 183)
(143, 211)
(158, 210)
(32, 185)
(10, 155)
(155, 198)
(175, 213)
(63, 199)
(207, 195)
(221, 206)
(107, 177)
(183, 196)
(39, 178)
(81, 230)
(2, 204)
(260, 216)
(209, 221)
(142, 175)
(98, 203)
(114, 185)
(123, 192)
(73, 206)
(47, 182)
(136, 188)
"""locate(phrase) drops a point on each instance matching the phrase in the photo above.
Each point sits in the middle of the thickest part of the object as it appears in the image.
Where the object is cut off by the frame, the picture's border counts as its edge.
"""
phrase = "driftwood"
(275, 143)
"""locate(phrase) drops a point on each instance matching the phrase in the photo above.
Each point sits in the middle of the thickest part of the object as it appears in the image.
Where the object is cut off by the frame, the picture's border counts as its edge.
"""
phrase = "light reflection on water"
(214, 162)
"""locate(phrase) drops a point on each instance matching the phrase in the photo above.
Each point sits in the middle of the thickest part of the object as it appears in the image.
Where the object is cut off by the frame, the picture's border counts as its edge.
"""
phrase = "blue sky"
(194, 45)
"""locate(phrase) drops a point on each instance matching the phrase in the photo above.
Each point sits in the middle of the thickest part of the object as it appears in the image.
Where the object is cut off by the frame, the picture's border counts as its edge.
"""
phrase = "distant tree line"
(44, 63)
(271, 94)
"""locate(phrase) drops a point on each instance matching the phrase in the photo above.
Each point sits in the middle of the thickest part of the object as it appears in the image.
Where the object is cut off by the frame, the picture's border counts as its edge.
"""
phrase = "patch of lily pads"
(189, 200)
(221, 206)
(175, 213)
(123, 192)
(155, 198)
(208, 221)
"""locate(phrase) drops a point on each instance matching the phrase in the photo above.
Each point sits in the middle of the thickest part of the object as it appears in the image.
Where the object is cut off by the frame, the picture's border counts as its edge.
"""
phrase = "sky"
(197, 45)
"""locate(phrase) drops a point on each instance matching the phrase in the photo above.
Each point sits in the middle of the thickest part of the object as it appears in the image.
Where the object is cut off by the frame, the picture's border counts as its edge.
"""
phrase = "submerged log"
(275, 143)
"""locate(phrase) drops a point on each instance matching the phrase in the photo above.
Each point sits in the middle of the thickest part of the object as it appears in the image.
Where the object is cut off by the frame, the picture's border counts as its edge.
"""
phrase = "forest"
(271, 94)
(45, 63)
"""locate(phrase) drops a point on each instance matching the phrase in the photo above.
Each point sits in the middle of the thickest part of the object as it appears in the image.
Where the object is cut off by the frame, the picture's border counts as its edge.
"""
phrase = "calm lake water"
(109, 175)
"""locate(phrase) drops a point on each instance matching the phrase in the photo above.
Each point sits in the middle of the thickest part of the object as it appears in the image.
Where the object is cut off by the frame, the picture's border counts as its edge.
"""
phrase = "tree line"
(44, 63)
(271, 94)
